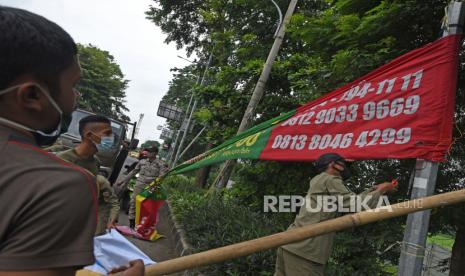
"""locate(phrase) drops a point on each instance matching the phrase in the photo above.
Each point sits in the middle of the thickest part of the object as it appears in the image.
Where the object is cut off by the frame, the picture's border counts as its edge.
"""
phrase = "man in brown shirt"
(309, 256)
(48, 207)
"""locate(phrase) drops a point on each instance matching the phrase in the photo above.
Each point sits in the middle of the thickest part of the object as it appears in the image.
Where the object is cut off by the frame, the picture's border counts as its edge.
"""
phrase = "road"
(162, 249)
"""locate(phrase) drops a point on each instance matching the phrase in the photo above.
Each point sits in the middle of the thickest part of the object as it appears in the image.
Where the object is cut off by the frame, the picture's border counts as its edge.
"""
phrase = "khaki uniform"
(318, 249)
(288, 263)
(108, 203)
(48, 211)
(91, 164)
(148, 172)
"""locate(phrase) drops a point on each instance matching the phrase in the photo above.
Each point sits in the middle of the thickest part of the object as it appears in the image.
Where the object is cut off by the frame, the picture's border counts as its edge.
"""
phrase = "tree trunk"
(457, 265)
(225, 172)
(202, 173)
(202, 176)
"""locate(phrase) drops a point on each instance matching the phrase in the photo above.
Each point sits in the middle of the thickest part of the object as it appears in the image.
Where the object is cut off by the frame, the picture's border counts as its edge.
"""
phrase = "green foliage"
(216, 222)
(102, 85)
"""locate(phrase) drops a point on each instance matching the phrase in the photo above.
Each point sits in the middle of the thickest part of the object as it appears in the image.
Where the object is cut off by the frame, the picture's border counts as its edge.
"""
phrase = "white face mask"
(42, 138)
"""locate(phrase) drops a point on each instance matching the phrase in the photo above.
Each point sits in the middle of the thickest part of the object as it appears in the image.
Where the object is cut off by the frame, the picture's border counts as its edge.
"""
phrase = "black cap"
(322, 162)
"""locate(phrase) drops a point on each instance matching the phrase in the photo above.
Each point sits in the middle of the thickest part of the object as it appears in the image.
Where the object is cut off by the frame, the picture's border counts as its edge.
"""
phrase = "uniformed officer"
(308, 257)
(48, 212)
(48, 207)
(149, 169)
(96, 136)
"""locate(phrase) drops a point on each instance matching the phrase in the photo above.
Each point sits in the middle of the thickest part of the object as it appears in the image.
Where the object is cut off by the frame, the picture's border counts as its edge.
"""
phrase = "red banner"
(403, 109)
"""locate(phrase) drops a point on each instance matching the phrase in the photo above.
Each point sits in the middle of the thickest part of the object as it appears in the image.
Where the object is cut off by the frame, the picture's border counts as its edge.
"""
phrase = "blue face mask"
(106, 143)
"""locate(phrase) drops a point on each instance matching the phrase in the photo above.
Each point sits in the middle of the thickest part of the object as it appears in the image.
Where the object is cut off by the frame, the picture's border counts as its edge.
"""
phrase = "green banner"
(248, 145)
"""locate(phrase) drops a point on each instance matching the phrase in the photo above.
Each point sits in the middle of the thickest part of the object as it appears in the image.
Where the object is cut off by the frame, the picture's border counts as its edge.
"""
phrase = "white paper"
(113, 250)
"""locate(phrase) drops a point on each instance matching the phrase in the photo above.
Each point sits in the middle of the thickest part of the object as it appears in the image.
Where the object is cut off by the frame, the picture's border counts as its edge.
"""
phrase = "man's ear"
(87, 134)
(30, 97)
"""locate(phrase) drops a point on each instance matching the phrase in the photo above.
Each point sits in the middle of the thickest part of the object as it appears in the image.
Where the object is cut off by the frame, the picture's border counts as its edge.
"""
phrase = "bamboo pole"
(297, 234)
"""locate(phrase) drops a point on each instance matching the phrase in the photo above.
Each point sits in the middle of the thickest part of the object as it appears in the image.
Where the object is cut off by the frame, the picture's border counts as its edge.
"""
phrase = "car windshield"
(73, 129)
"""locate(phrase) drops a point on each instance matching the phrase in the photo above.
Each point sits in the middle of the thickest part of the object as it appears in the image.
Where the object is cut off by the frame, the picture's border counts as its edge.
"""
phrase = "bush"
(215, 222)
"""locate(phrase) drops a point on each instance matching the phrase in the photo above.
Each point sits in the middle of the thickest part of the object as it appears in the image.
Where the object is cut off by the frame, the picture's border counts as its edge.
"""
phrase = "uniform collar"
(90, 158)
(17, 136)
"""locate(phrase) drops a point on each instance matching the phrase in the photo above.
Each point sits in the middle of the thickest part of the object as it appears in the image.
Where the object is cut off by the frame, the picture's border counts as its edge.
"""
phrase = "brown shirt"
(48, 208)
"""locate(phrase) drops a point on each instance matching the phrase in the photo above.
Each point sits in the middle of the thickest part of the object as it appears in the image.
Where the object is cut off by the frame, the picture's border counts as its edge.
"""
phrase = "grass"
(391, 269)
(443, 240)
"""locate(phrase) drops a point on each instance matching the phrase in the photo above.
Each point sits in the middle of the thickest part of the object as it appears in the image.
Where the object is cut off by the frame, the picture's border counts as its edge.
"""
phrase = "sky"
(120, 27)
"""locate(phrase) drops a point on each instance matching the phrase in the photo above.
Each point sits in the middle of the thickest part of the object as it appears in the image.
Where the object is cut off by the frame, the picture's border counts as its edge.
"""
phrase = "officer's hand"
(119, 188)
(136, 268)
(111, 224)
(385, 187)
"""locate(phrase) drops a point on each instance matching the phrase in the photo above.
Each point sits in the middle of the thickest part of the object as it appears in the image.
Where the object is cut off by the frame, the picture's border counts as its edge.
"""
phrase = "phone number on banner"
(342, 141)
(371, 110)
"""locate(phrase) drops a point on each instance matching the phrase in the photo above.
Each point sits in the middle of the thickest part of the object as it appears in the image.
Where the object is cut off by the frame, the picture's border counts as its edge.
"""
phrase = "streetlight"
(280, 18)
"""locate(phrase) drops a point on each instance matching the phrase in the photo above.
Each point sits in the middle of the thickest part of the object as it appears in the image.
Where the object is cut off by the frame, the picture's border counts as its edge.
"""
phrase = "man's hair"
(92, 119)
(31, 44)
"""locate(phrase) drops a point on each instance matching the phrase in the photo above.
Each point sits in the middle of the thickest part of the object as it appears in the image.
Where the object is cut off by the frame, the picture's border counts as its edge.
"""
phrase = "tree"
(150, 143)
(102, 85)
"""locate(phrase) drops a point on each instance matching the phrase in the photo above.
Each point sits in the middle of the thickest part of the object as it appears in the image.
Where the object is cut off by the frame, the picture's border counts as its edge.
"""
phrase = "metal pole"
(133, 135)
(226, 170)
(192, 112)
(192, 142)
(173, 149)
(424, 182)
(416, 230)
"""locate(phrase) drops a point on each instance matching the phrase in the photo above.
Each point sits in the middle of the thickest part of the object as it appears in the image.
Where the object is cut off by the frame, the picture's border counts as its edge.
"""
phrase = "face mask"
(42, 138)
(345, 173)
(106, 143)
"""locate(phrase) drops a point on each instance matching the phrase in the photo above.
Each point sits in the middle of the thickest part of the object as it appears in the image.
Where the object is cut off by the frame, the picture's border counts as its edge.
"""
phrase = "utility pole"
(424, 180)
(173, 148)
(193, 141)
(188, 122)
(226, 170)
